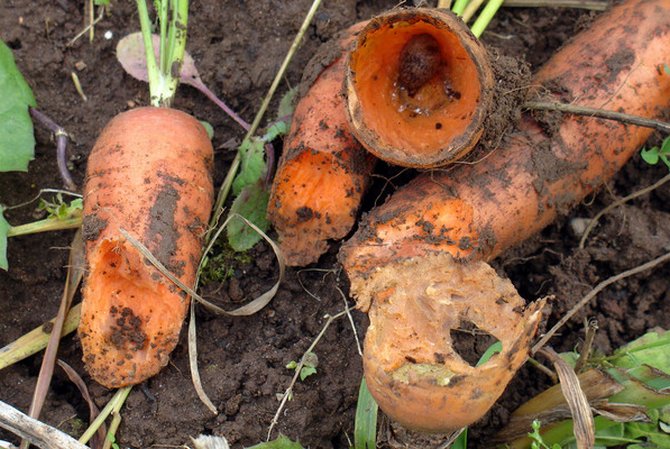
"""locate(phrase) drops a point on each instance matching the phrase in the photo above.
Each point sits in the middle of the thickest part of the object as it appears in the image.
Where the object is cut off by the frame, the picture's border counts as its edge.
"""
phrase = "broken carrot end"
(315, 198)
(411, 366)
(132, 316)
(419, 87)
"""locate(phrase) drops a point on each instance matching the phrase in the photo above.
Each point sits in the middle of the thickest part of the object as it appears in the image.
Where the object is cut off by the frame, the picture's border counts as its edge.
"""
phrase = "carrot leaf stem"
(459, 7)
(113, 406)
(164, 74)
(485, 17)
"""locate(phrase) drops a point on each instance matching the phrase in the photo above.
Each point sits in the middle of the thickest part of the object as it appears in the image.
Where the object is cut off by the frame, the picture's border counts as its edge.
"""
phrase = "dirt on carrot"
(149, 173)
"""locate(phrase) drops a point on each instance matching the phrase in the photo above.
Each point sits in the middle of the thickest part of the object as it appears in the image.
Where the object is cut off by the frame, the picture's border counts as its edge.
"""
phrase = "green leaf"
(650, 156)
(281, 442)
(292, 364)
(365, 427)
(208, 128)
(287, 103)
(4, 229)
(277, 129)
(665, 146)
(666, 68)
(490, 352)
(252, 164)
(307, 371)
(17, 142)
(251, 203)
(101, 2)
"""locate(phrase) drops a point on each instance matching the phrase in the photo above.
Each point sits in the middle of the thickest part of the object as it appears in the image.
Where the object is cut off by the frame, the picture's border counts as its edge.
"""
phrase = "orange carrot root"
(410, 364)
(475, 212)
(150, 174)
(323, 171)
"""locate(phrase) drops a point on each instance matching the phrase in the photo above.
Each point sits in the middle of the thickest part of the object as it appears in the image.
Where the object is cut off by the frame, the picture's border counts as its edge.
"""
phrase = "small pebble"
(578, 225)
(108, 34)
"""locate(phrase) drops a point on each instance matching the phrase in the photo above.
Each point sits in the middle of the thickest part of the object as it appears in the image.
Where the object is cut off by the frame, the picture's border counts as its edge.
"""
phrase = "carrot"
(419, 86)
(475, 212)
(150, 174)
(323, 171)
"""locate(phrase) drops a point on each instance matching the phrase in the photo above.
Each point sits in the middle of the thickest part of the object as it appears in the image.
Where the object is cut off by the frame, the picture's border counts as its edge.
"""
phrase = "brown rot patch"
(420, 61)
(162, 234)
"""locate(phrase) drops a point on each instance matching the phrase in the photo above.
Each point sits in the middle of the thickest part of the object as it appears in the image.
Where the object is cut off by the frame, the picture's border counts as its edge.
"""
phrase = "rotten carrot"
(473, 213)
(323, 171)
(149, 173)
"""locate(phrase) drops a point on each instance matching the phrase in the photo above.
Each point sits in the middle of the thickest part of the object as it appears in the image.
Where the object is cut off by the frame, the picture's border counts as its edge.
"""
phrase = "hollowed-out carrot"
(148, 173)
(323, 170)
(419, 86)
(475, 212)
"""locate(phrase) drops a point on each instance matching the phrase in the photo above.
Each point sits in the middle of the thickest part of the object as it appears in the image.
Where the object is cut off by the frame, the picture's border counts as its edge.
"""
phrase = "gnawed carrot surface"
(323, 171)
(475, 212)
(411, 366)
(150, 174)
(419, 86)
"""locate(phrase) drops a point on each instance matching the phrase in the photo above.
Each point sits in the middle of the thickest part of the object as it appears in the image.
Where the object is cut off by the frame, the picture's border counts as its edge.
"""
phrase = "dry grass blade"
(287, 394)
(584, 427)
(74, 275)
(98, 440)
(595, 5)
(248, 309)
(34, 431)
(550, 405)
(193, 363)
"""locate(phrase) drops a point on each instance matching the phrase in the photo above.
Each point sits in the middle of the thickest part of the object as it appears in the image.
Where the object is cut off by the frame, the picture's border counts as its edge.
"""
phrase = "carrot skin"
(150, 174)
(323, 171)
(479, 211)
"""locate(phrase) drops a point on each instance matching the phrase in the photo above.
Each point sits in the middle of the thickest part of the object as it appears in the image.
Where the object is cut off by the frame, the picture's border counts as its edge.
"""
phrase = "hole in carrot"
(470, 342)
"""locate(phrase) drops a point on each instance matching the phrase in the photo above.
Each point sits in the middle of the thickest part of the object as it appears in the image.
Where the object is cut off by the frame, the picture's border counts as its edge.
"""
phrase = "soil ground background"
(238, 46)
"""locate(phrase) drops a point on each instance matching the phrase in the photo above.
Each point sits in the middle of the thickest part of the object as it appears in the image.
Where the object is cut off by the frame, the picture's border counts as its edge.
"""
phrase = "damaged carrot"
(323, 171)
(149, 173)
(475, 212)
(419, 86)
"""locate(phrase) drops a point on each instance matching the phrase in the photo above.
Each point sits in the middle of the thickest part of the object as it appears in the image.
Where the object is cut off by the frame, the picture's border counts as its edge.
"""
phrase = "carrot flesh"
(323, 171)
(419, 87)
(475, 212)
(150, 174)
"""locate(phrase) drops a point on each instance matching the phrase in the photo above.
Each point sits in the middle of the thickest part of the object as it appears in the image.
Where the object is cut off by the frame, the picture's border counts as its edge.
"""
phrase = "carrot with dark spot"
(323, 171)
(149, 173)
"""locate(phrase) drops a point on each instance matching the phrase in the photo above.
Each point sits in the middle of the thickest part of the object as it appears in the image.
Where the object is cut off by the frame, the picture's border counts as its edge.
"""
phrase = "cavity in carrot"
(419, 86)
(323, 171)
(150, 174)
(474, 213)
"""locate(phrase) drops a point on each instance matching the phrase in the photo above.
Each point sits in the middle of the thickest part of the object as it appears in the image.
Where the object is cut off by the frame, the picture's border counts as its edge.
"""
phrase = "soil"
(238, 46)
